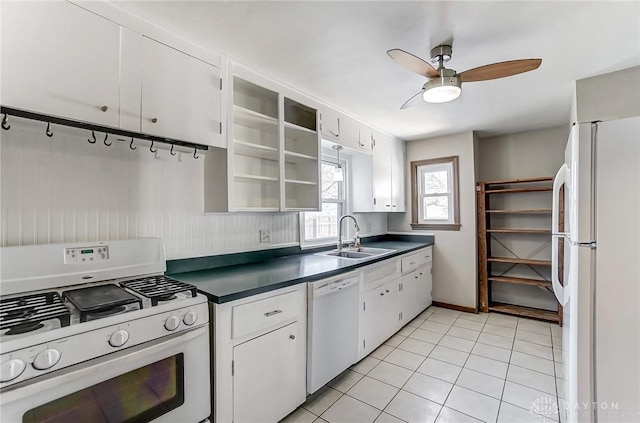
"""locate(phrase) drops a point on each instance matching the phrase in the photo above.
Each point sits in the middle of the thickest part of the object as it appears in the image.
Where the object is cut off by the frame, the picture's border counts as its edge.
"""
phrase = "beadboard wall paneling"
(63, 189)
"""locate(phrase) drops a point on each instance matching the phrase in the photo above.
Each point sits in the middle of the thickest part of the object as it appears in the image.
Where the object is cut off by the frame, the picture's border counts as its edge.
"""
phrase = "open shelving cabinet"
(493, 214)
(273, 151)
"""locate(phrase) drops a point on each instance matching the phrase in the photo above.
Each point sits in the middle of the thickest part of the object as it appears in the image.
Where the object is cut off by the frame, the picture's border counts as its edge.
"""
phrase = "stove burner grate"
(26, 313)
(158, 288)
(100, 301)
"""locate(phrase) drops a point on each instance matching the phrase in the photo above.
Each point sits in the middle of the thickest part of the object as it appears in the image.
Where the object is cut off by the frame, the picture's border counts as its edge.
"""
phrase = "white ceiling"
(335, 51)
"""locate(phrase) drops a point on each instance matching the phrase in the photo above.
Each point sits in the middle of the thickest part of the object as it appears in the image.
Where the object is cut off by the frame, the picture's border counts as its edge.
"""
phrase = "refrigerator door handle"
(558, 181)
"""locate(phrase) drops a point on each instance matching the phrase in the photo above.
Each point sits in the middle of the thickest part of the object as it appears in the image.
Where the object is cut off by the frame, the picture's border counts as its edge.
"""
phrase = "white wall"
(454, 255)
(523, 155)
(63, 189)
(614, 95)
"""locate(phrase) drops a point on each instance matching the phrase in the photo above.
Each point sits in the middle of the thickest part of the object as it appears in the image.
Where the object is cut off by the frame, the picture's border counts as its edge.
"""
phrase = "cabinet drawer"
(415, 260)
(378, 274)
(262, 314)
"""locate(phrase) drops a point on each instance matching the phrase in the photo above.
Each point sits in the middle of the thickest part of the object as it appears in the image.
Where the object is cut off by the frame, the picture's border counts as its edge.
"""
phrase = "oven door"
(166, 380)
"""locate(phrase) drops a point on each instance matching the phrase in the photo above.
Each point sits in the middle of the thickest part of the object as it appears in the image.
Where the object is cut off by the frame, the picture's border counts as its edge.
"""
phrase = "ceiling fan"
(446, 84)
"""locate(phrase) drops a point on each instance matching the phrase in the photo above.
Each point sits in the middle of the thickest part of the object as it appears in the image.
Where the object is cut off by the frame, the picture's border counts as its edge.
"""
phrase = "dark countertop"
(223, 284)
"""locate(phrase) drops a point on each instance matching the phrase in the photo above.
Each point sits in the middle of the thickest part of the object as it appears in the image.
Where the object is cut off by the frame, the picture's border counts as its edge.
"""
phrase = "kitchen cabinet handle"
(394, 205)
(386, 290)
(104, 108)
(360, 144)
(271, 313)
(387, 205)
(292, 337)
(334, 134)
(382, 293)
(154, 120)
(416, 276)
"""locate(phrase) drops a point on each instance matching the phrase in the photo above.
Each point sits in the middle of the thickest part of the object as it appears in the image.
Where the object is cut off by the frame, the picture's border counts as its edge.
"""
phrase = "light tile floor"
(449, 366)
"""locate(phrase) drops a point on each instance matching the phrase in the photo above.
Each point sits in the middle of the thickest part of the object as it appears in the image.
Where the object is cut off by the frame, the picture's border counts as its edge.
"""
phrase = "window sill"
(436, 226)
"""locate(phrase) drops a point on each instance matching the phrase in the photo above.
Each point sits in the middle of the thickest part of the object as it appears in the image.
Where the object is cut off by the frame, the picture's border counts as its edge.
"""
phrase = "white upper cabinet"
(388, 174)
(59, 59)
(398, 174)
(181, 95)
(366, 139)
(330, 124)
(273, 152)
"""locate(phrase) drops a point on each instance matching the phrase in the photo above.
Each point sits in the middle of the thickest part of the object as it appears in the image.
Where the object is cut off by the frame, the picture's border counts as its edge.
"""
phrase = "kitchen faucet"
(356, 240)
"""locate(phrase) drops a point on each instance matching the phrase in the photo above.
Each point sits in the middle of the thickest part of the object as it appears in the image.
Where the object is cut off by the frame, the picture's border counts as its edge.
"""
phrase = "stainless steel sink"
(362, 253)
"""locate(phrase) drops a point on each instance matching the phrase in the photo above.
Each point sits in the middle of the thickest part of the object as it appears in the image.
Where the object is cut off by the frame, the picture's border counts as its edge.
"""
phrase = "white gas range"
(94, 331)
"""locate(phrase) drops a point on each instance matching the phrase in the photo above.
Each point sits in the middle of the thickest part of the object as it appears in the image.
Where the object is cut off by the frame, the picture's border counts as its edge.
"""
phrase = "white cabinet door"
(361, 176)
(366, 138)
(349, 132)
(61, 60)
(382, 174)
(181, 95)
(269, 379)
(381, 315)
(397, 176)
(373, 320)
(330, 124)
(388, 174)
(426, 286)
(416, 292)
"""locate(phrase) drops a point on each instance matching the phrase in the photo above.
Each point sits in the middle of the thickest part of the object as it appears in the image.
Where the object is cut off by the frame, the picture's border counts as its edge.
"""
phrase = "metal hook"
(93, 135)
(106, 135)
(172, 153)
(195, 153)
(131, 144)
(5, 123)
(151, 148)
(49, 132)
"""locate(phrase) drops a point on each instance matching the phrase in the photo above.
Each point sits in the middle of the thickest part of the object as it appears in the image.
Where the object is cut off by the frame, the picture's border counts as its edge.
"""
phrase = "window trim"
(343, 202)
(415, 193)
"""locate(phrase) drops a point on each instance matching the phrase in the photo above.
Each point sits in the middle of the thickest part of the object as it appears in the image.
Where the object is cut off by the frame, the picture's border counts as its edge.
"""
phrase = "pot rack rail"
(107, 130)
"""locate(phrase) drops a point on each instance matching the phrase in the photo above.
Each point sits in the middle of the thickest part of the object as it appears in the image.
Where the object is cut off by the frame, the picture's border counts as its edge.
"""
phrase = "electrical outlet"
(265, 236)
(368, 227)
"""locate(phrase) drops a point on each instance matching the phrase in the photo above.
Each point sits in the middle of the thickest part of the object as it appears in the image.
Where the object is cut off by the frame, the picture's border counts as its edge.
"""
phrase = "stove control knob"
(11, 369)
(119, 338)
(190, 318)
(172, 323)
(46, 359)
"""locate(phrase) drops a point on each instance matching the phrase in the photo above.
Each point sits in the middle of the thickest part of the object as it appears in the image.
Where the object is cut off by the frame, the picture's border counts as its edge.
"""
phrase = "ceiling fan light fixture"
(442, 89)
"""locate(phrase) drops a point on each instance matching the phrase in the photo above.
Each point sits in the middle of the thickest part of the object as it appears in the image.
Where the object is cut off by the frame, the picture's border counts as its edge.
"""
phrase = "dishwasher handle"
(334, 287)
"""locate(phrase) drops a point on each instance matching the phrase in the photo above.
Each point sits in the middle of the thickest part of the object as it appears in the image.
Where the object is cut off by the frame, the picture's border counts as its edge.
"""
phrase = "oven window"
(134, 397)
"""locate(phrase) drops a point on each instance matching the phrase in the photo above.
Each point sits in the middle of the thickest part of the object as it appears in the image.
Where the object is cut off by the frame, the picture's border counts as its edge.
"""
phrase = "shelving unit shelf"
(493, 230)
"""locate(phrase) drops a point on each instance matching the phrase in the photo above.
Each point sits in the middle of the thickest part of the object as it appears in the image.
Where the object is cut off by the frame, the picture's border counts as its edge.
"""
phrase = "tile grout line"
(458, 377)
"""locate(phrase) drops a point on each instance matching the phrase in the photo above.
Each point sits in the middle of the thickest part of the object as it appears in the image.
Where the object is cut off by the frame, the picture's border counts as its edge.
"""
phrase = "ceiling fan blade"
(413, 63)
(499, 70)
(411, 102)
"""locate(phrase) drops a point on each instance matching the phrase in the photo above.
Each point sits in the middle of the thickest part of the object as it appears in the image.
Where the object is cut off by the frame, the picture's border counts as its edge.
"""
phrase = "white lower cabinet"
(265, 387)
(259, 355)
(393, 293)
(381, 309)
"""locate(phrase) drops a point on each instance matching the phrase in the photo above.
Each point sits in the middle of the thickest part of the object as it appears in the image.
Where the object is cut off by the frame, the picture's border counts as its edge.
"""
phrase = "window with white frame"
(321, 227)
(434, 191)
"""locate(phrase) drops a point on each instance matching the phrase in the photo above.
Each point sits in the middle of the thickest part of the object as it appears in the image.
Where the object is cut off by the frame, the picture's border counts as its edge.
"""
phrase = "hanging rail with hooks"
(9, 111)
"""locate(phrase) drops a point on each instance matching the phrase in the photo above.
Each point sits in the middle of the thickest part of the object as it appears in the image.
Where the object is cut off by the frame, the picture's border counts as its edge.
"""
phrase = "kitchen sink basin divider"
(9, 111)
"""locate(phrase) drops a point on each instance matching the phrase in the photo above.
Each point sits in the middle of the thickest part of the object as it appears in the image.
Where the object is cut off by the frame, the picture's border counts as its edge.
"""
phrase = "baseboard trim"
(455, 307)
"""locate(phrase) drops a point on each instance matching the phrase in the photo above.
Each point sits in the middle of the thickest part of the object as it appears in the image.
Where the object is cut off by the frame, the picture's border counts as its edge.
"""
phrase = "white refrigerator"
(600, 379)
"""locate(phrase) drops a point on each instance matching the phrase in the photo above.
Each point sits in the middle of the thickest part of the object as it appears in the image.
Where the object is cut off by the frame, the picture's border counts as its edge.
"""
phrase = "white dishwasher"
(332, 328)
